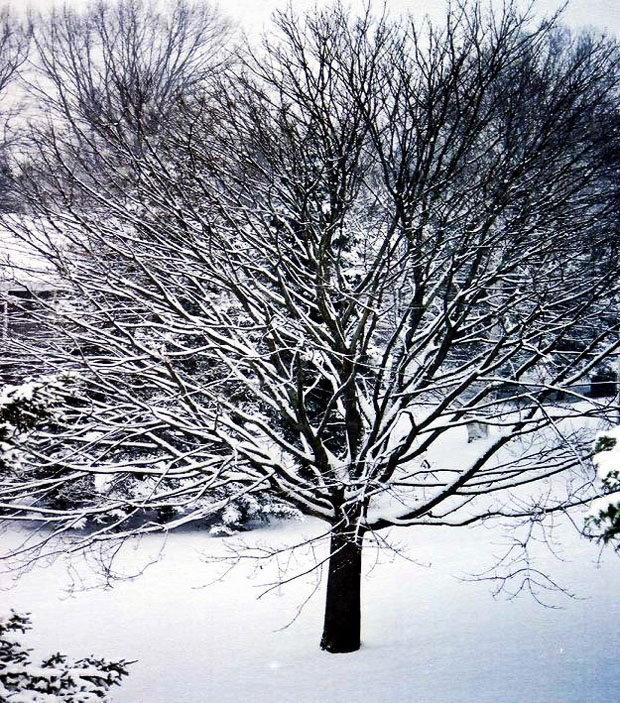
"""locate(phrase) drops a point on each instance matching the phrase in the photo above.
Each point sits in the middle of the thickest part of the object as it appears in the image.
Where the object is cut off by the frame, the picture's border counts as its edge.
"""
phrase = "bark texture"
(342, 626)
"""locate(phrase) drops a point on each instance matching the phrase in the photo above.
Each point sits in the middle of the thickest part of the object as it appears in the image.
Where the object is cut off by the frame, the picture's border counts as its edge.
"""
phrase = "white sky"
(598, 14)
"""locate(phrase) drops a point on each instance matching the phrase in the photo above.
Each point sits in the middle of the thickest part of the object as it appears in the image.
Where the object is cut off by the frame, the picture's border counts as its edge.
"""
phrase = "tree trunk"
(341, 629)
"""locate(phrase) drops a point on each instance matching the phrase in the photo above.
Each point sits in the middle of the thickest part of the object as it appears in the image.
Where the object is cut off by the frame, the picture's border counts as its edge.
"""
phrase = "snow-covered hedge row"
(55, 679)
(35, 409)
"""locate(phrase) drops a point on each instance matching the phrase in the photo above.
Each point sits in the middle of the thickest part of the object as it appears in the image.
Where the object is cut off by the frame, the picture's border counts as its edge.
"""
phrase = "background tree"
(14, 48)
(360, 239)
(116, 72)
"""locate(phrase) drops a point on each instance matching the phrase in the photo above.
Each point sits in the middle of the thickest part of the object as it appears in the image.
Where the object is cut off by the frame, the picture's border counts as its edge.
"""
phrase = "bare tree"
(14, 48)
(115, 72)
(125, 64)
(366, 236)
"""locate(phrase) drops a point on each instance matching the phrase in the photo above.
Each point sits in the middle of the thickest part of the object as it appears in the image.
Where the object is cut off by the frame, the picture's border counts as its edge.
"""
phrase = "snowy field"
(429, 636)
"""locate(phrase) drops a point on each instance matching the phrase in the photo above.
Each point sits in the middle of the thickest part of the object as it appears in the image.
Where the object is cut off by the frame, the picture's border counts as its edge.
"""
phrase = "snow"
(21, 266)
(202, 632)
(428, 636)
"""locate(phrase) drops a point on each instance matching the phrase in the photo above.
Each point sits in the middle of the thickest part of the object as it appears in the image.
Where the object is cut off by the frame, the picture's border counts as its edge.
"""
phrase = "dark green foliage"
(605, 524)
(88, 679)
(604, 444)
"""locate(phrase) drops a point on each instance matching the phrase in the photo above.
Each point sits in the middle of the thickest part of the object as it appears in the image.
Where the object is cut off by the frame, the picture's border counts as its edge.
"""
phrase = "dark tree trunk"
(341, 630)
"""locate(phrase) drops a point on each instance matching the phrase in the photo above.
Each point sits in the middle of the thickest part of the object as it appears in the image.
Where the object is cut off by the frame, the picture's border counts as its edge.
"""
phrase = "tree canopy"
(326, 256)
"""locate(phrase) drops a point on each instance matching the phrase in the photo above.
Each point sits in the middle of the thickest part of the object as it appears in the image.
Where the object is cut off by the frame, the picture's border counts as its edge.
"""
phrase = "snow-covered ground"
(428, 636)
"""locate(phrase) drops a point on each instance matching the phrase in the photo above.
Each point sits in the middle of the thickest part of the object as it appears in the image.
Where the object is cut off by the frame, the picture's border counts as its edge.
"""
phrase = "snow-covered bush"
(223, 510)
(247, 511)
(25, 408)
(55, 679)
(603, 523)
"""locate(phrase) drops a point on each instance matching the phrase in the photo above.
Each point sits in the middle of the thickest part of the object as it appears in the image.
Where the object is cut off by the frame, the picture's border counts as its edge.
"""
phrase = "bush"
(54, 680)
(603, 523)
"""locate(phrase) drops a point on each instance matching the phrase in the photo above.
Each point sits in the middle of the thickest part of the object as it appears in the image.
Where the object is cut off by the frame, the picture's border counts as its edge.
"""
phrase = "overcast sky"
(599, 14)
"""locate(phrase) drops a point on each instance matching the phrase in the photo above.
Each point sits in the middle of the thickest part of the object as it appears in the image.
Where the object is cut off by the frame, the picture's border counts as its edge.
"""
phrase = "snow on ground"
(21, 265)
(428, 636)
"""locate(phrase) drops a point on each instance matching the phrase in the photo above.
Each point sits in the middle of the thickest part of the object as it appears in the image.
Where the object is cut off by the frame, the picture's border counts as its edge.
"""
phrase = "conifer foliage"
(56, 679)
